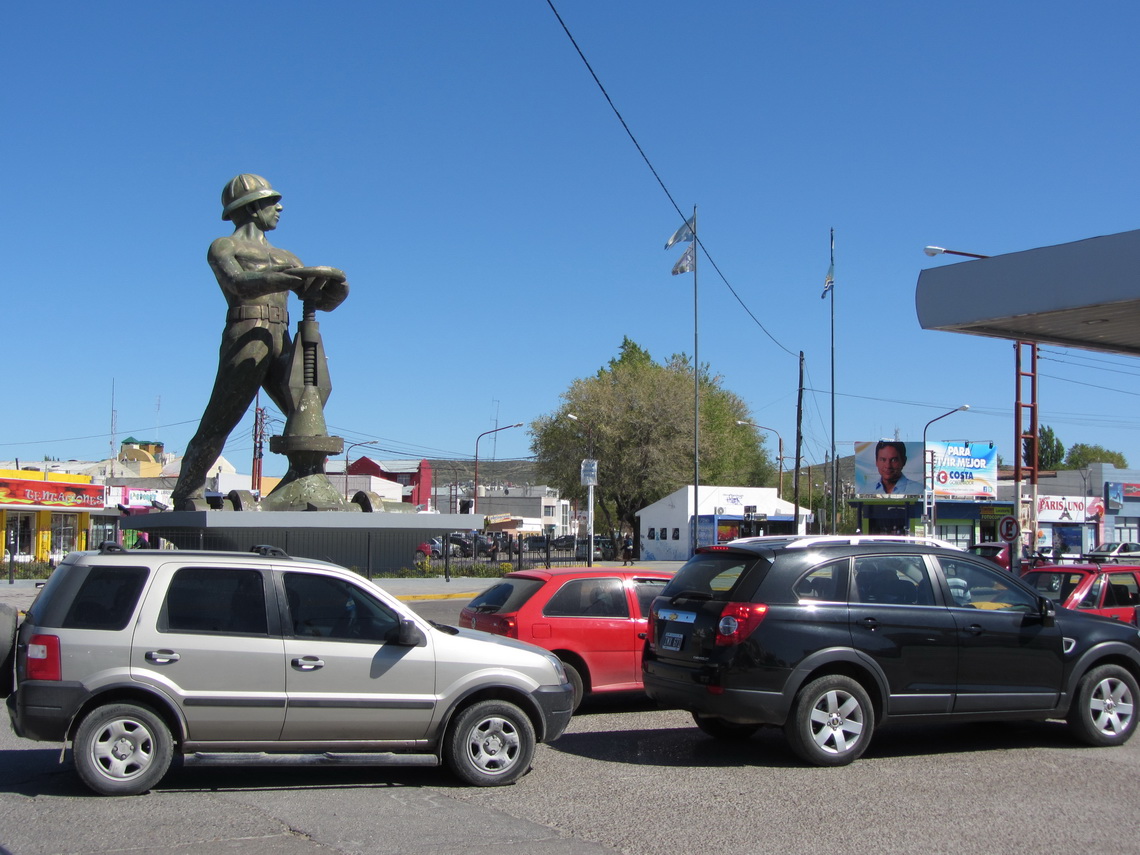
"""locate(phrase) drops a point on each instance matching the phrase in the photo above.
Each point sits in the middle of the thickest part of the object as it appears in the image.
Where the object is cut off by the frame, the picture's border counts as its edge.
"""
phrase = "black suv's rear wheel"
(122, 749)
(718, 728)
(831, 721)
(490, 743)
(1104, 709)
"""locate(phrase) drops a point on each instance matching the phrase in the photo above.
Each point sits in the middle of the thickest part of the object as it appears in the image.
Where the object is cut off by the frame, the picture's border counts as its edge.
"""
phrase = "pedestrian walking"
(627, 551)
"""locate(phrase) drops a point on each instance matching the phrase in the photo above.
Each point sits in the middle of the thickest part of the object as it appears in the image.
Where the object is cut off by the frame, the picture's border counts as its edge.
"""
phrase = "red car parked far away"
(1112, 590)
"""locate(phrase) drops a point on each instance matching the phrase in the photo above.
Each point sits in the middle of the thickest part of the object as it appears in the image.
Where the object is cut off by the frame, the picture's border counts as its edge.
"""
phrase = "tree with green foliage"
(1050, 451)
(1081, 455)
(635, 417)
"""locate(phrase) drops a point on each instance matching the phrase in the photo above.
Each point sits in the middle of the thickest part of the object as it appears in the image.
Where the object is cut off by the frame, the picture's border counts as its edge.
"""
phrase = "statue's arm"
(247, 284)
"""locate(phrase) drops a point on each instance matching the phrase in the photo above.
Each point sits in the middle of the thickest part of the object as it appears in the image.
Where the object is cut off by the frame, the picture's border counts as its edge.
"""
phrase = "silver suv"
(262, 659)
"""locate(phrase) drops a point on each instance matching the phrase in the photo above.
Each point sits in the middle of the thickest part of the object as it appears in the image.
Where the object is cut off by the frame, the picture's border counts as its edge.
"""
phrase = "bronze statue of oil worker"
(256, 278)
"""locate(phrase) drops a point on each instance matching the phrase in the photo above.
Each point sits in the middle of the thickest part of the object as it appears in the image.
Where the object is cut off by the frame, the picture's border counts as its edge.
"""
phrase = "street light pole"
(928, 472)
(347, 450)
(475, 497)
(780, 457)
(1027, 518)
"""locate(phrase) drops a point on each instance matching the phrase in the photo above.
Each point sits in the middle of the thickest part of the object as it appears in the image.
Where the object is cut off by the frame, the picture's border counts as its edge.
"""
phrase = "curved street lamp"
(938, 250)
(475, 491)
(928, 469)
(346, 451)
(780, 453)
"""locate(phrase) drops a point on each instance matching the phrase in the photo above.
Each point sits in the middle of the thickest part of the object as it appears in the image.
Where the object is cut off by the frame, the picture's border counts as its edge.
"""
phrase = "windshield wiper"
(450, 630)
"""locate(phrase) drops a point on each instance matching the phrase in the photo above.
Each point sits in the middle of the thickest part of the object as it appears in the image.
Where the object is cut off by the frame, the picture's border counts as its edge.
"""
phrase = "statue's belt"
(273, 314)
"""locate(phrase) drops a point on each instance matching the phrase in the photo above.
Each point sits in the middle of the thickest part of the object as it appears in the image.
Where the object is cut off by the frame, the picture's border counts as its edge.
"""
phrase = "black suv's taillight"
(737, 621)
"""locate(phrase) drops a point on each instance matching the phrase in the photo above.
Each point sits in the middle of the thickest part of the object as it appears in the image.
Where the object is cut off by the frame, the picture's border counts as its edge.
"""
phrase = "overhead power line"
(661, 182)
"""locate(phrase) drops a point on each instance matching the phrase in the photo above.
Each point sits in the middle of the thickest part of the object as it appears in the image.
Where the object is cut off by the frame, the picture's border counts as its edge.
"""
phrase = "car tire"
(831, 721)
(576, 683)
(490, 744)
(719, 728)
(122, 749)
(9, 620)
(1104, 708)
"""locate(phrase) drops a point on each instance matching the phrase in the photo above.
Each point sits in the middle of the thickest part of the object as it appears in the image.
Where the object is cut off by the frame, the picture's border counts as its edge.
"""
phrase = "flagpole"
(696, 400)
(687, 233)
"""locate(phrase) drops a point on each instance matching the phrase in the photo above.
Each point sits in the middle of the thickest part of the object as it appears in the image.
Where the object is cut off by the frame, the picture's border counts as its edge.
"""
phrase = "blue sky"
(501, 232)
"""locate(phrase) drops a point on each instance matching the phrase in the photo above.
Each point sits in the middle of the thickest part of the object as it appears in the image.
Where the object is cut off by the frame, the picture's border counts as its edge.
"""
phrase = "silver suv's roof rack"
(806, 541)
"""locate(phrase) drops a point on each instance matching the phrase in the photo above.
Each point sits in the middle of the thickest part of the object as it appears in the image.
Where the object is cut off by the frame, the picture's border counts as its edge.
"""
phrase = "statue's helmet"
(243, 189)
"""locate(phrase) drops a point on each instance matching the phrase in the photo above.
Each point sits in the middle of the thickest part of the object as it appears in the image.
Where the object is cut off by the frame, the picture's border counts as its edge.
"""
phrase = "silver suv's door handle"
(308, 663)
(162, 657)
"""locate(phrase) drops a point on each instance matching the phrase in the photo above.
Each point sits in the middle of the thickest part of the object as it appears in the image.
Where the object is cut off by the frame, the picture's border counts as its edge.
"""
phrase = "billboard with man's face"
(889, 467)
(962, 470)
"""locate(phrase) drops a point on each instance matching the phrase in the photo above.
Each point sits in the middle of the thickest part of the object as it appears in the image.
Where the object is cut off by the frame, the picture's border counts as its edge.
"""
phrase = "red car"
(1112, 590)
(593, 619)
(999, 554)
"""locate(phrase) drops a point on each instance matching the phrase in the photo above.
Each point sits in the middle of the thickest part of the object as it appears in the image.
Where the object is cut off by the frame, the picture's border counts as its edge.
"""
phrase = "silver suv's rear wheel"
(122, 749)
(490, 743)
(9, 618)
(1104, 710)
(831, 721)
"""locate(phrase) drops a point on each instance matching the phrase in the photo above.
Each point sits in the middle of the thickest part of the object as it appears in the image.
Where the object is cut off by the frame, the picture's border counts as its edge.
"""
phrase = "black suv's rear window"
(106, 599)
(506, 597)
(712, 575)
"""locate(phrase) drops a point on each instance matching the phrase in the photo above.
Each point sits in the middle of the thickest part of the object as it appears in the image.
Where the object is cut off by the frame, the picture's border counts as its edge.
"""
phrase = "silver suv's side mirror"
(410, 635)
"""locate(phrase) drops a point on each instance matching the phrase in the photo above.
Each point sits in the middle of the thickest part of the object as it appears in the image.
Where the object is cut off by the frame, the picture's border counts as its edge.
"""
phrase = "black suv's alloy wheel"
(1104, 710)
(831, 721)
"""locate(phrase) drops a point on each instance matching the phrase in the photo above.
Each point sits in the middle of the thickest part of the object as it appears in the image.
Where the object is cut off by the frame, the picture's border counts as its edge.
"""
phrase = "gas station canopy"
(1083, 294)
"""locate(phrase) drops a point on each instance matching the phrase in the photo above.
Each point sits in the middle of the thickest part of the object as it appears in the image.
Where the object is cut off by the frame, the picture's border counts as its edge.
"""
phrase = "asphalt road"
(624, 778)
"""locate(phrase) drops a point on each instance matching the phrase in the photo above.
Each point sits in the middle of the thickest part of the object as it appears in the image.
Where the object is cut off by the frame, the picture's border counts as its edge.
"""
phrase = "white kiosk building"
(665, 528)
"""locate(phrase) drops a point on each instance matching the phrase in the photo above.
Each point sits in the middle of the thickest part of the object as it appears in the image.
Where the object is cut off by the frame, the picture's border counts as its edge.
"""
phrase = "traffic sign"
(1009, 529)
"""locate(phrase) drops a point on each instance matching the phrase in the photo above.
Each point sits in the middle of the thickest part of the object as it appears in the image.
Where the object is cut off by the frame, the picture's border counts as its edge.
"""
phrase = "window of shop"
(20, 536)
(102, 530)
(959, 535)
(1126, 529)
(63, 538)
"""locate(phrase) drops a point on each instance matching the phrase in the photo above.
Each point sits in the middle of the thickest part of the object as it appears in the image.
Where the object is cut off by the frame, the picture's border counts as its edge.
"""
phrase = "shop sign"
(1068, 509)
(14, 491)
(1117, 492)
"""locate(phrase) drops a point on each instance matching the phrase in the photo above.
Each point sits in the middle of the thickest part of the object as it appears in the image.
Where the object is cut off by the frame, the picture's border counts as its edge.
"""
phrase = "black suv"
(833, 637)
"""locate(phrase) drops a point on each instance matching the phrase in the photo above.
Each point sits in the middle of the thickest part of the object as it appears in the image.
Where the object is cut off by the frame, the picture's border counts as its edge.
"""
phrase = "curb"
(408, 598)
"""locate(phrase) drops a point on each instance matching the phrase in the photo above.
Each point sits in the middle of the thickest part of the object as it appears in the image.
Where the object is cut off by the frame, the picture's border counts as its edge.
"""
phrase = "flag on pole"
(685, 262)
(683, 234)
(829, 280)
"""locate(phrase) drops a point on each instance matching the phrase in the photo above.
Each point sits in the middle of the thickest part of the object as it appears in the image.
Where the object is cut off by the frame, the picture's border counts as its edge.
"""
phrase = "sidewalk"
(21, 593)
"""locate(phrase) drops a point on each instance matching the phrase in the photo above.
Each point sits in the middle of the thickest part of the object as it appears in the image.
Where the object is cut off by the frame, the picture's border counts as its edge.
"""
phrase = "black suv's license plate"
(672, 641)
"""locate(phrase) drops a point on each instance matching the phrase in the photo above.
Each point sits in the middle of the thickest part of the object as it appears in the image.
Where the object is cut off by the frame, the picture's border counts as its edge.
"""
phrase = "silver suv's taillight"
(43, 658)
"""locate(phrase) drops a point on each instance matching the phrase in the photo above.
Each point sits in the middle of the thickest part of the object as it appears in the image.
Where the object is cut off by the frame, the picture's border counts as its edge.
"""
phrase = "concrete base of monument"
(370, 543)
